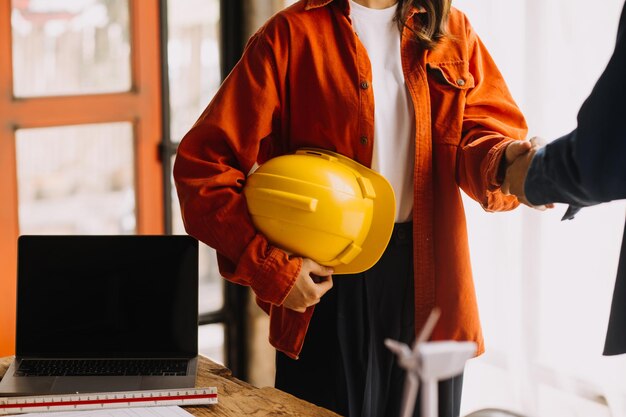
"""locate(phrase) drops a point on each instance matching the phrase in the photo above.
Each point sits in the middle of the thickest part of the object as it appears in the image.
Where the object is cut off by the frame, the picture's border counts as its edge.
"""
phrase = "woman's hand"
(311, 284)
(519, 155)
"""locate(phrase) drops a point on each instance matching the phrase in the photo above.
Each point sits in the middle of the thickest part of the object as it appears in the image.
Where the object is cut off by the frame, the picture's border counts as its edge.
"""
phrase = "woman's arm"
(210, 171)
(491, 122)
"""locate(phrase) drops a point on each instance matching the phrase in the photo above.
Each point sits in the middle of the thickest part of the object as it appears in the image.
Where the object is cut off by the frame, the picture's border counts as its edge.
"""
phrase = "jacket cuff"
(274, 275)
(494, 174)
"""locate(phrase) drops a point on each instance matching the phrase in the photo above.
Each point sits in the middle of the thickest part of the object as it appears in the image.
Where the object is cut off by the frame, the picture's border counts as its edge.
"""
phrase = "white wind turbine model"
(430, 362)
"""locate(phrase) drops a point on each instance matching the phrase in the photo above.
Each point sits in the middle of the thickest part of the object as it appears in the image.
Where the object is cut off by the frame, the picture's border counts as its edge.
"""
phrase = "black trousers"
(344, 365)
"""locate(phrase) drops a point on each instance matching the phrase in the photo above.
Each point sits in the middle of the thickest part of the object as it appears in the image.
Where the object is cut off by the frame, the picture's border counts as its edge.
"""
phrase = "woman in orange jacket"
(405, 87)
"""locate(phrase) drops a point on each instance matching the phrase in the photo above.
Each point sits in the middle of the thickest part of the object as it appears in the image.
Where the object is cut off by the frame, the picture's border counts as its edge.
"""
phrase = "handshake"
(519, 155)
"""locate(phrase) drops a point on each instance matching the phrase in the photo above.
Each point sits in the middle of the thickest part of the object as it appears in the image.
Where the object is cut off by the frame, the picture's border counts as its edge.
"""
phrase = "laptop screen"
(107, 296)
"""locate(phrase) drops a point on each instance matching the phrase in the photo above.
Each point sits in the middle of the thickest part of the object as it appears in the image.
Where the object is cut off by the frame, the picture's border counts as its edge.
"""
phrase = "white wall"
(544, 286)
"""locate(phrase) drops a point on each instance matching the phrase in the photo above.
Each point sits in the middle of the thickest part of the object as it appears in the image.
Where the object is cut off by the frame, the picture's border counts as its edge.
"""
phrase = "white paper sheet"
(171, 411)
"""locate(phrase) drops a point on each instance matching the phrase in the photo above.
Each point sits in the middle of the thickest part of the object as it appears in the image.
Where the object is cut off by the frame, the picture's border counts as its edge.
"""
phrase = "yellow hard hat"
(324, 206)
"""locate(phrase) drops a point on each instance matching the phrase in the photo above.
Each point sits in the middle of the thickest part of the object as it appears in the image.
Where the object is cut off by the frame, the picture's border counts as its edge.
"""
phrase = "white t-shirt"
(394, 123)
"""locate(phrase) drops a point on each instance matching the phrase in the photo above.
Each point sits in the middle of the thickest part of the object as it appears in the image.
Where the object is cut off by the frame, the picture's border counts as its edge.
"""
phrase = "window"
(544, 286)
(66, 48)
(80, 124)
(76, 179)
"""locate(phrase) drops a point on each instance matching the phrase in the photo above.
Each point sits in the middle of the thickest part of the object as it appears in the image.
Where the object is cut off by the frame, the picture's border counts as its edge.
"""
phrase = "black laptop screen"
(101, 296)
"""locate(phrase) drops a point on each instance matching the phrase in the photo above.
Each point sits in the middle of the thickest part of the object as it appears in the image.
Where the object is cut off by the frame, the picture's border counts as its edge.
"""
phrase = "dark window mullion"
(232, 27)
(233, 313)
(213, 317)
(166, 149)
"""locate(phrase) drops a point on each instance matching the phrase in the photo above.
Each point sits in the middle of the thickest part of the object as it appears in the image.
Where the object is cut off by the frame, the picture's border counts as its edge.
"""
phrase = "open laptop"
(104, 313)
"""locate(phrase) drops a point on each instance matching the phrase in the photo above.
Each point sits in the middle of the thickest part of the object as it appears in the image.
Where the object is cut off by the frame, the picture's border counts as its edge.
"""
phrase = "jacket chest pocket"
(448, 83)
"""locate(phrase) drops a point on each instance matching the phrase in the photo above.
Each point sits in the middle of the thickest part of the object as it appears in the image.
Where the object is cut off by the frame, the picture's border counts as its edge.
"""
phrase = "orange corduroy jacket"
(305, 80)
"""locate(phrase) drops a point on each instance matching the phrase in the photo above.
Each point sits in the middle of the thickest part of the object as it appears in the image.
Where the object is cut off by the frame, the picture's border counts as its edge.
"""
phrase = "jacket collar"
(314, 4)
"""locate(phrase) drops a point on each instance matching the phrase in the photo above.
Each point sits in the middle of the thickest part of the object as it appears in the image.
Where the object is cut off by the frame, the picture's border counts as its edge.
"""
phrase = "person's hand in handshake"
(519, 155)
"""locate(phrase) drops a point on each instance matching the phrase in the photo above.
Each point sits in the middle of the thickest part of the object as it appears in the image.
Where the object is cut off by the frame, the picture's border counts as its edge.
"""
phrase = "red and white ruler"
(97, 401)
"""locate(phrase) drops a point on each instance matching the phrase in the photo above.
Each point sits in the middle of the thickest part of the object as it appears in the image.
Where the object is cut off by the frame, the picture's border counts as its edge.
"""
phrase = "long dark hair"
(429, 27)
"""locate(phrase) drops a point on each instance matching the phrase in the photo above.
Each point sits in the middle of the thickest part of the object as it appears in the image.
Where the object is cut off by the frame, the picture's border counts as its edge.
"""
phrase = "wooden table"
(237, 398)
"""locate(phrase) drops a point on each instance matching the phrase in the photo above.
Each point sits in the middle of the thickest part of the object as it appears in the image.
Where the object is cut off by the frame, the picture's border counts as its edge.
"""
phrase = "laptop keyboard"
(102, 367)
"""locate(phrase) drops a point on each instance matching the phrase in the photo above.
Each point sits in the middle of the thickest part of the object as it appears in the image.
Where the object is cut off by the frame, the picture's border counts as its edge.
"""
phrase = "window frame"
(146, 106)
(140, 105)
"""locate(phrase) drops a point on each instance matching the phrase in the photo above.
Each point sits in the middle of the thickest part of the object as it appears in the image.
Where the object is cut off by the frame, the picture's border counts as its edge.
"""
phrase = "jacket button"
(364, 85)
(364, 140)
(460, 82)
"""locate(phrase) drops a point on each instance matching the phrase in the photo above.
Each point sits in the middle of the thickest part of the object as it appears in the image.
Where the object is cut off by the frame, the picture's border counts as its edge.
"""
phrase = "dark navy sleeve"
(588, 166)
